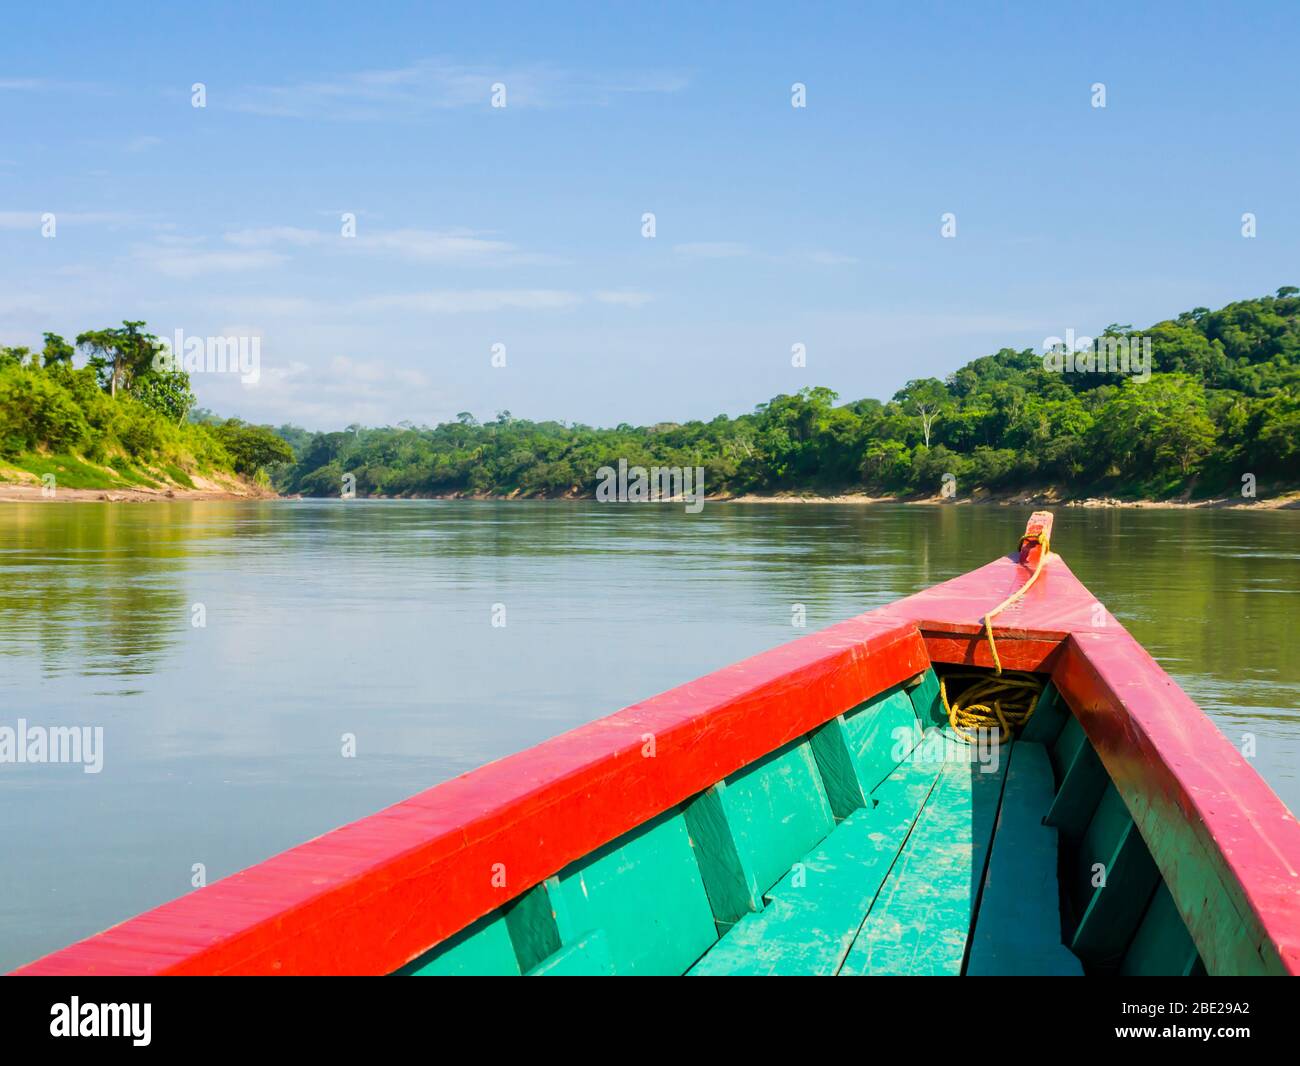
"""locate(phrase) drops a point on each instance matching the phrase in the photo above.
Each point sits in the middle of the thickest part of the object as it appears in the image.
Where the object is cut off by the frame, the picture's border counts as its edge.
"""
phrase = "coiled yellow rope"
(1001, 701)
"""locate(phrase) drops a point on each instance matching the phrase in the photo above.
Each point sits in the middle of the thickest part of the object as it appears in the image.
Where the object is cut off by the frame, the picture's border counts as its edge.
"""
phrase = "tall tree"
(57, 351)
(926, 398)
(118, 355)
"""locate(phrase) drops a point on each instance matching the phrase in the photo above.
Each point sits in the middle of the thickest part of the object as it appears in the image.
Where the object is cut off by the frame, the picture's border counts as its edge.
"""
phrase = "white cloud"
(21, 220)
(177, 258)
(459, 301)
(267, 306)
(143, 143)
(34, 85)
(434, 85)
(824, 258)
(624, 297)
(417, 245)
(268, 235)
(430, 246)
(712, 250)
(336, 393)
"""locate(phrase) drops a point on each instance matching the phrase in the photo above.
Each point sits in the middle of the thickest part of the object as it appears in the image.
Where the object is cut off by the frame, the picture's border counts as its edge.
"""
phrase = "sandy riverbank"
(12, 493)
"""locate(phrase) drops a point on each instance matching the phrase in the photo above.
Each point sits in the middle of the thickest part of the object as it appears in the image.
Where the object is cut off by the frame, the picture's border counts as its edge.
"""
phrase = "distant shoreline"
(1290, 499)
(30, 493)
(1283, 501)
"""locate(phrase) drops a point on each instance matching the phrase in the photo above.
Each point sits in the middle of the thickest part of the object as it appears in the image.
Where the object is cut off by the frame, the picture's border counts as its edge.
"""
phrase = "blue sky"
(522, 225)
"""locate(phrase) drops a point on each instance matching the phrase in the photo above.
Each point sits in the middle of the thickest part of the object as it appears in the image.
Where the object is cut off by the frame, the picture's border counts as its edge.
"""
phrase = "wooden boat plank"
(926, 701)
(921, 920)
(814, 912)
(1065, 749)
(531, 923)
(483, 950)
(1018, 928)
(1083, 782)
(1113, 879)
(777, 809)
(1049, 718)
(1224, 843)
(876, 737)
(587, 958)
(831, 747)
(644, 894)
(1162, 947)
(726, 868)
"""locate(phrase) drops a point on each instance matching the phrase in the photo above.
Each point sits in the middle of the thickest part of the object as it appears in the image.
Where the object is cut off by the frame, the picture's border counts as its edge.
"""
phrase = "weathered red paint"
(1037, 655)
(374, 894)
(1038, 532)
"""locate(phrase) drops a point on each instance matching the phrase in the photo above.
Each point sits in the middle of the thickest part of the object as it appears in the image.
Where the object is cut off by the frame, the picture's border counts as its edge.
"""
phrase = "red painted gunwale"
(370, 896)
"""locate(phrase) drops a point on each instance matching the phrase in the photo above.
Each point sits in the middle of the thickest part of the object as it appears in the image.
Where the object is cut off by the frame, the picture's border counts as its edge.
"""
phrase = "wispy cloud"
(40, 85)
(623, 297)
(439, 301)
(433, 85)
(177, 257)
(419, 245)
(430, 246)
(460, 301)
(268, 235)
(712, 250)
(264, 306)
(825, 258)
(340, 391)
(31, 220)
(737, 250)
(143, 143)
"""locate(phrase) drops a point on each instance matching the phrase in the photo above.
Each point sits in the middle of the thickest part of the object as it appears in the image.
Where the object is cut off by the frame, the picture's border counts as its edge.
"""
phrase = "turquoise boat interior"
(880, 843)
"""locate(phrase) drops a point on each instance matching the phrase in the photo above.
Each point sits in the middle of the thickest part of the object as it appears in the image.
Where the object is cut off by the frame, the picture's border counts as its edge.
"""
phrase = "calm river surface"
(223, 743)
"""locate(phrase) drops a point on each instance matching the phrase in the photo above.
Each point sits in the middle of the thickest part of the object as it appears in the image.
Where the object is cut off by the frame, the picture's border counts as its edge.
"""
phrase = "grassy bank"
(120, 422)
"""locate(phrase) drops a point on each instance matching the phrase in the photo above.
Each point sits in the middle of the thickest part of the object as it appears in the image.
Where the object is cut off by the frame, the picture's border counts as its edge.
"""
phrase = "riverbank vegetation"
(118, 421)
(1222, 402)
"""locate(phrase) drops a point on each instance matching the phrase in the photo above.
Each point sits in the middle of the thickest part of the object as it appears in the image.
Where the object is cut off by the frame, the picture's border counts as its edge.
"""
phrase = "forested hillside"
(118, 421)
(1223, 400)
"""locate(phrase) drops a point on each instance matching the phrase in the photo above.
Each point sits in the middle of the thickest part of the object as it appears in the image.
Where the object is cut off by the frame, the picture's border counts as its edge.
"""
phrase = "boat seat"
(871, 898)
(814, 911)
(920, 922)
(1018, 930)
(898, 887)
